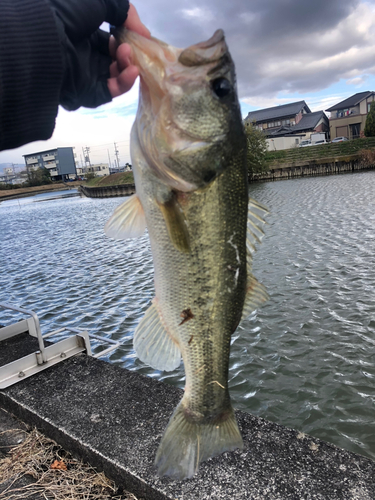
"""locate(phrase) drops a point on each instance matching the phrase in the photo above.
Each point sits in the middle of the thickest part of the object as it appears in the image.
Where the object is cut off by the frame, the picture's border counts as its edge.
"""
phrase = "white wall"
(279, 143)
(100, 169)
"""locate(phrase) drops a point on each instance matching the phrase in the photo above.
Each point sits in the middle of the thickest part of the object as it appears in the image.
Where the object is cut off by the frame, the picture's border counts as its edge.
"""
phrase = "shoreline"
(311, 168)
(8, 194)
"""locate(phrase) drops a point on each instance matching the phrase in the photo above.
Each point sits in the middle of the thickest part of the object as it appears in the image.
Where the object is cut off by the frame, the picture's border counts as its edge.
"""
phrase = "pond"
(304, 360)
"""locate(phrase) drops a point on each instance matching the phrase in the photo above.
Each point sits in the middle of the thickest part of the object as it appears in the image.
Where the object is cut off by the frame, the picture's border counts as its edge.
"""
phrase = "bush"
(370, 122)
(256, 149)
(89, 176)
(367, 157)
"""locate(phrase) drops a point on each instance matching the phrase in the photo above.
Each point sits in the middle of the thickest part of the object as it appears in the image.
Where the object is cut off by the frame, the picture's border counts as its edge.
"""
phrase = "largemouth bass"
(188, 151)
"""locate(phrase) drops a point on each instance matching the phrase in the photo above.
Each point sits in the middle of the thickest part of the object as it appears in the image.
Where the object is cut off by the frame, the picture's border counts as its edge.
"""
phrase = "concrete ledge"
(108, 191)
(114, 419)
(310, 168)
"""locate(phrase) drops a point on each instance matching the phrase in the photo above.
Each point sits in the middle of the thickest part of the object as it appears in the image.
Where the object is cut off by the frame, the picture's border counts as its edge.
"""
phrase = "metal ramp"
(46, 356)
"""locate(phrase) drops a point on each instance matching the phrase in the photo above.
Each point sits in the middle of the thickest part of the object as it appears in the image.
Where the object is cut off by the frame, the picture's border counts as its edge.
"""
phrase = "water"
(305, 360)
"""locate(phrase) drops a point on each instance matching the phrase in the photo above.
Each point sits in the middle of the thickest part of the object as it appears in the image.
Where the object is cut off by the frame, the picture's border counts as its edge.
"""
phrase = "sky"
(320, 51)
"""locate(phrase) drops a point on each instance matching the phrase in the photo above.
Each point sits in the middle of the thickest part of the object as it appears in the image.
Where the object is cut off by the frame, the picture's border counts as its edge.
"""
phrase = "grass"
(111, 180)
(56, 473)
(344, 150)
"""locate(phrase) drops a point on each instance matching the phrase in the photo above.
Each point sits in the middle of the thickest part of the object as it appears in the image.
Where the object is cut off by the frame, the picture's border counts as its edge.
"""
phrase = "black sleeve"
(51, 52)
(31, 72)
(85, 48)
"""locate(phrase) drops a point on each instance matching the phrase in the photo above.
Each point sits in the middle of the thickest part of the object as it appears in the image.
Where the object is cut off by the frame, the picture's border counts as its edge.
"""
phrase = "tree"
(256, 149)
(39, 177)
(370, 122)
(89, 176)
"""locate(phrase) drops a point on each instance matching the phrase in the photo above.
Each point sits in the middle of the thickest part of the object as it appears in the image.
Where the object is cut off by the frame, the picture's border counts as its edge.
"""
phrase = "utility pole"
(86, 155)
(109, 161)
(117, 158)
(83, 165)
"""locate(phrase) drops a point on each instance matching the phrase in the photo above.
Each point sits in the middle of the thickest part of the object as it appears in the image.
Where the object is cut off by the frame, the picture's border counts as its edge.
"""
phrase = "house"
(348, 117)
(60, 163)
(10, 176)
(100, 169)
(286, 125)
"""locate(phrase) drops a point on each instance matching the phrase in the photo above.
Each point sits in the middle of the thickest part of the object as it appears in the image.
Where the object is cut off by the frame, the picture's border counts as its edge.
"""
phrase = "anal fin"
(153, 344)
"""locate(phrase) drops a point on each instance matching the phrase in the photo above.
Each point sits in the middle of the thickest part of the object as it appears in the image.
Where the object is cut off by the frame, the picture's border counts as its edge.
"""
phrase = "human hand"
(123, 72)
(90, 78)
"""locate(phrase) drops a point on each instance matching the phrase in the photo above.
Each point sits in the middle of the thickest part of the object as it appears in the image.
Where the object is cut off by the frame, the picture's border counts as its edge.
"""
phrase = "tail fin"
(186, 443)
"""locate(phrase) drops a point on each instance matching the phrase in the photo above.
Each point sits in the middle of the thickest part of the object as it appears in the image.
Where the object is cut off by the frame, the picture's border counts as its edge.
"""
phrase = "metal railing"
(46, 356)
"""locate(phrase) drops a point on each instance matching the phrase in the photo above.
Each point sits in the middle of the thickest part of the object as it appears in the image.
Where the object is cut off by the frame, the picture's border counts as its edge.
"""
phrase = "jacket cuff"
(31, 72)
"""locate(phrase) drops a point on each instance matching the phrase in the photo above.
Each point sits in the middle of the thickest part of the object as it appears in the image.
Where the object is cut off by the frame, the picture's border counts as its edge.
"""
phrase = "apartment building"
(60, 162)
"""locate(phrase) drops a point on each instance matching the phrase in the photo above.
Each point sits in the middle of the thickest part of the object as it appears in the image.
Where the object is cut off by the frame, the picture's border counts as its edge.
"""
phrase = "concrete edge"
(113, 419)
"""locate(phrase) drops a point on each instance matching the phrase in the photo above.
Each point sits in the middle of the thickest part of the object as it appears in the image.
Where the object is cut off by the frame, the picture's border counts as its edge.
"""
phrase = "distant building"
(348, 117)
(116, 170)
(60, 163)
(286, 125)
(100, 169)
(81, 171)
(9, 176)
(18, 178)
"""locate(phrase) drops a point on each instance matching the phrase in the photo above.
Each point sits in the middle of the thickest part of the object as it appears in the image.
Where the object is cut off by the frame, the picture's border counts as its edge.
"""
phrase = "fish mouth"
(154, 60)
(209, 52)
(161, 65)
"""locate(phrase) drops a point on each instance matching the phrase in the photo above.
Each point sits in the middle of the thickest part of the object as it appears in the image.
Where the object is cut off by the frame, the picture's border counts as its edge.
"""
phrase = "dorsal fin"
(255, 221)
(256, 293)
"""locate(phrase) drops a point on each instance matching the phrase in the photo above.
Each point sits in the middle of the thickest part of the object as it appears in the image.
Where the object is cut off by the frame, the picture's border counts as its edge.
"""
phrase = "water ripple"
(305, 360)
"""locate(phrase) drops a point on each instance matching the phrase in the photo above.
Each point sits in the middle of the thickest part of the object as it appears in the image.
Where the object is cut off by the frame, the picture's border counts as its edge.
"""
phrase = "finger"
(124, 82)
(113, 70)
(134, 23)
(112, 47)
(123, 56)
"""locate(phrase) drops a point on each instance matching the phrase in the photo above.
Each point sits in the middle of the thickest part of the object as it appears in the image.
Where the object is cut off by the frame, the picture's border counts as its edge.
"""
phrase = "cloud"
(278, 46)
(198, 15)
(358, 82)
(284, 51)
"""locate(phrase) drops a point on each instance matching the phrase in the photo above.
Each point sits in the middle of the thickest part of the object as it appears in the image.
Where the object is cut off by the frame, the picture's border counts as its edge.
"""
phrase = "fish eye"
(221, 86)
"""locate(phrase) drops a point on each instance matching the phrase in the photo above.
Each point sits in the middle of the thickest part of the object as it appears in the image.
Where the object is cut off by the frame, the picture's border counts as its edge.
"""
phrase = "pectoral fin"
(153, 344)
(127, 221)
(176, 223)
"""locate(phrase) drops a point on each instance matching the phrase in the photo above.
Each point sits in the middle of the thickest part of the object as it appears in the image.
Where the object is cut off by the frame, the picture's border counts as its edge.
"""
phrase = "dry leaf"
(58, 464)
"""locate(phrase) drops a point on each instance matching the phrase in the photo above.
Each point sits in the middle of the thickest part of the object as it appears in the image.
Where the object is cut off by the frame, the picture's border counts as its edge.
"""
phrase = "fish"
(188, 152)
